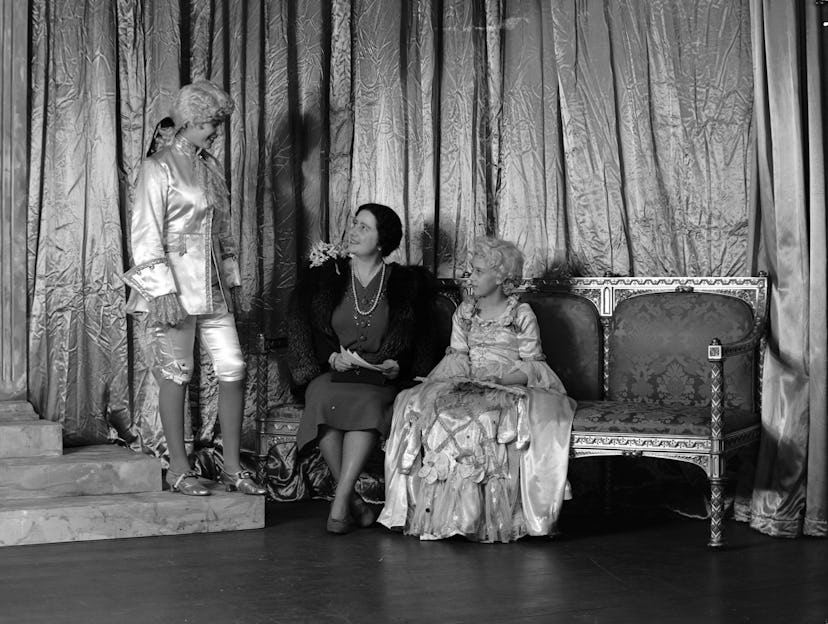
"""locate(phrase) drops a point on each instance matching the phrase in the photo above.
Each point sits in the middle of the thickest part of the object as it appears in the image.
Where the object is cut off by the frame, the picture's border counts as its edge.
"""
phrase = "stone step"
(84, 471)
(17, 410)
(81, 518)
(30, 438)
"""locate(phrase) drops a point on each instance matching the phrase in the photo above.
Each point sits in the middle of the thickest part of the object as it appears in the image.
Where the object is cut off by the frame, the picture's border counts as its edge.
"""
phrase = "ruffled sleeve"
(532, 360)
(455, 362)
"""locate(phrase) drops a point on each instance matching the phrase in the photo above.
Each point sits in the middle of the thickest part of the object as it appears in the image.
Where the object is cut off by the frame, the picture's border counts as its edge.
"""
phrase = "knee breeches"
(169, 350)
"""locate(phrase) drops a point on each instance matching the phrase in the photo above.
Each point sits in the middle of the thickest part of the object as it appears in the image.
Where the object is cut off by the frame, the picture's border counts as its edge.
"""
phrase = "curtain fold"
(531, 183)
(78, 352)
(791, 484)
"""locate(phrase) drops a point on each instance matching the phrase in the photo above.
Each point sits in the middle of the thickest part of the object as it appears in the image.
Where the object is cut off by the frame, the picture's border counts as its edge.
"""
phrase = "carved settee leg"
(716, 513)
(716, 467)
(261, 402)
(608, 479)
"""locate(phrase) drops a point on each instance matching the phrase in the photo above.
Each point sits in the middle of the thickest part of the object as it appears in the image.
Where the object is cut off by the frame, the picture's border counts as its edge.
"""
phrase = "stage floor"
(641, 568)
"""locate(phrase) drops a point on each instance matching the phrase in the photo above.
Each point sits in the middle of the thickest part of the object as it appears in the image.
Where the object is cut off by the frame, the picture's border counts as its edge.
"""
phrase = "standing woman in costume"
(185, 279)
(377, 310)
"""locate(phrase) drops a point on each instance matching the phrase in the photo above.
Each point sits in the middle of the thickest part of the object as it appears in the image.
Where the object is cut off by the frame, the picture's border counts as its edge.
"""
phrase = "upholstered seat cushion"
(648, 418)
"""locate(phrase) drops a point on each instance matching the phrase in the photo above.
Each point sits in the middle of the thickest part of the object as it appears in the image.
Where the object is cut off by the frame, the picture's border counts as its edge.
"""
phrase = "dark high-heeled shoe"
(241, 481)
(186, 483)
(339, 527)
(363, 514)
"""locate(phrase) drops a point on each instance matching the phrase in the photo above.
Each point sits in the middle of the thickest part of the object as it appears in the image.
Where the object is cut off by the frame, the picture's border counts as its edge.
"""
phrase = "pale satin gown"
(468, 457)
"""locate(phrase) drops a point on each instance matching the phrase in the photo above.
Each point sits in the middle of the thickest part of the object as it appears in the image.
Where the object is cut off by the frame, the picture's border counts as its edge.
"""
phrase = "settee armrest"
(716, 351)
(716, 354)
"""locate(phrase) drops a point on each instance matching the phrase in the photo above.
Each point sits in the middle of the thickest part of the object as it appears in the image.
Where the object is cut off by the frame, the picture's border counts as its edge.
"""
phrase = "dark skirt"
(345, 406)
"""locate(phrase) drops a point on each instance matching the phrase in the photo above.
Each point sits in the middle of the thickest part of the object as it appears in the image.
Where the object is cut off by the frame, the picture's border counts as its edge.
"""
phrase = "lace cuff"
(165, 310)
(151, 279)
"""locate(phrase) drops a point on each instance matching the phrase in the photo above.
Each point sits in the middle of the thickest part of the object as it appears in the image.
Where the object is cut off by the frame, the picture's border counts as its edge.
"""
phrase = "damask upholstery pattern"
(647, 418)
(658, 349)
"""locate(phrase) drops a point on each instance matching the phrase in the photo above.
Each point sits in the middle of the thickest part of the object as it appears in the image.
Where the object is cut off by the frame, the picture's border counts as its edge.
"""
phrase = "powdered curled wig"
(200, 102)
(504, 258)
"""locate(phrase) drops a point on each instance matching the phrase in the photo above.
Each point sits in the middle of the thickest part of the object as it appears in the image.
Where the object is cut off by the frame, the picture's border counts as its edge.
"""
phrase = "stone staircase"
(50, 495)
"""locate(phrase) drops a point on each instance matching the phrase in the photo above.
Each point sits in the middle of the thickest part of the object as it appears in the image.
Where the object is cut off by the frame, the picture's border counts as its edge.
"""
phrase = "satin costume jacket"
(410, 336)
(180, 237)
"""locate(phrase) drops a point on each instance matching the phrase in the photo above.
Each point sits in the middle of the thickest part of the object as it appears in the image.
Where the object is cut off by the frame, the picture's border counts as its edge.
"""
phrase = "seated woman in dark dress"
(379, 311)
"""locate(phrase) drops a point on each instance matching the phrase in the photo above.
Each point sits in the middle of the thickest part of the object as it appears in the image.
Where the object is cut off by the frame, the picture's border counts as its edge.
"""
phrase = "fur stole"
(409, 339)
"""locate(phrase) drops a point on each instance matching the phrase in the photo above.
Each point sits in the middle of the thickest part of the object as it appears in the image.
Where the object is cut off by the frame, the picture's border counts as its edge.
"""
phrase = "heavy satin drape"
(790, 493)
(600, 135)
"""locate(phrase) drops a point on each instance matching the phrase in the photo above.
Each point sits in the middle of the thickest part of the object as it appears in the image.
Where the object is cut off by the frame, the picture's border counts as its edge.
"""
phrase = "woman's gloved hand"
(240, 302)
(390, 368)
(339, 363)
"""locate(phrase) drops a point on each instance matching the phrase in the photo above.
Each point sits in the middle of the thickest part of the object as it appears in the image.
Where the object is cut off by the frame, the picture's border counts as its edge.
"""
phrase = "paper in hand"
(355, 358)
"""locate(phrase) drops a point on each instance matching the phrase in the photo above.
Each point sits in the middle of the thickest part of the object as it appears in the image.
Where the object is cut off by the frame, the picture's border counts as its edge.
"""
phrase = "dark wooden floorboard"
(638, 568)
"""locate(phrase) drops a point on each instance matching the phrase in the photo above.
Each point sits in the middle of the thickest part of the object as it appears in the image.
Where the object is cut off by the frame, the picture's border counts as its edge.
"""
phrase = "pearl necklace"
(376, 298)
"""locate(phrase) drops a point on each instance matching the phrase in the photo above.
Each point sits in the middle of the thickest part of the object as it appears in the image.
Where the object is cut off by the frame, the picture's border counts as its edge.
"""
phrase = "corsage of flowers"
(436, 466)
(321, 252)
(472, 467)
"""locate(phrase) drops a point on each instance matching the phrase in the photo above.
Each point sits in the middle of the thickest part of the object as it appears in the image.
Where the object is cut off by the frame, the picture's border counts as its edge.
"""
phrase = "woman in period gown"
(481, 448)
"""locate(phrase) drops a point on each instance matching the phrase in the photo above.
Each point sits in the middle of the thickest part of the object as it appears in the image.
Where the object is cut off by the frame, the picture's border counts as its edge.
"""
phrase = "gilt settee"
(663, 367)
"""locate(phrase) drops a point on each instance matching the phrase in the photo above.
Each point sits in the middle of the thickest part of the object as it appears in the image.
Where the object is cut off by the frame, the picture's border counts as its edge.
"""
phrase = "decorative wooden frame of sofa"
(605, 293)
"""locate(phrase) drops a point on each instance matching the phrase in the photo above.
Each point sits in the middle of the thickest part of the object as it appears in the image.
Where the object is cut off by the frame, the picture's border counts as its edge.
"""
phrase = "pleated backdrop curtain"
(600, 135)
(791, 490)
